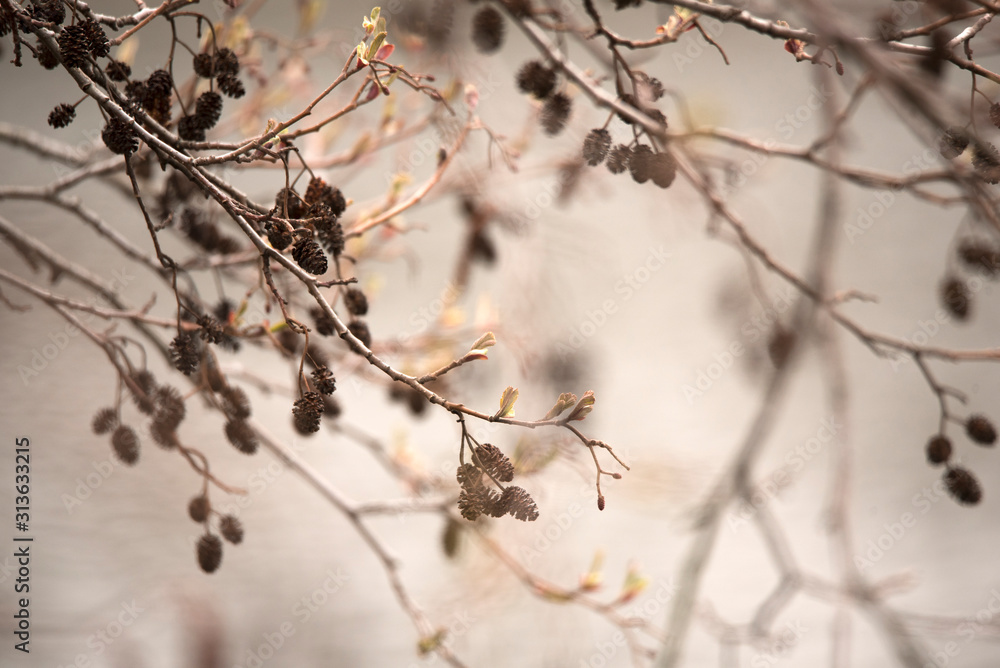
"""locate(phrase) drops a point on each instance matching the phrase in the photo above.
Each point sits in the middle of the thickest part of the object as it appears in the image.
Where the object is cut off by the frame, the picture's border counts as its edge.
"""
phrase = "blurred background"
(114, 581)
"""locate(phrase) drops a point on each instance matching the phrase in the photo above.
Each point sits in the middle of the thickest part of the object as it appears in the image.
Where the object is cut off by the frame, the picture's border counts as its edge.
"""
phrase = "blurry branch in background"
(286, 266)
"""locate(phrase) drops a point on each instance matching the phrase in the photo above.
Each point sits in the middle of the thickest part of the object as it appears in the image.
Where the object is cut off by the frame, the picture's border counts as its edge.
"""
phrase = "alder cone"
(125, 443)
(119, 137)
(780, 345)
(146, 384)
(487, 30)
(956, 297)
(619, 158)
(189, 128)
(555, 113)
(184, 353)
(324, 323)
(159, 85)
(324, 380)
(939, 450)
(74, 46)
(50, 11)
(663, 169)
(536, 79)
(105, 420)
(97, 41)
(359, 328)
(204, 65)
(46, 58)
(118, 71)
(640, 163)
(198, 508)
(307, 412)
(596, 146)
(320, 192)
(241, 435)
(980, 256)
(953, 143)
(518, 503)
(209, 553)
(208, 109)
(226, 62)
(62, 115)
(235, 402)
(986, 161)
(355, 301)
(495, 462)
(170, 409)
(231, 529)
(231, 86)
(963, 486)
(279, 234)
(981, 430)
(333, 239)
(310, 257)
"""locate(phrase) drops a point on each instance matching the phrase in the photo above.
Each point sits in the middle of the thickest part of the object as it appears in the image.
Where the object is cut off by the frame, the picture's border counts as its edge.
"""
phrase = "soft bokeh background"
(129, 544)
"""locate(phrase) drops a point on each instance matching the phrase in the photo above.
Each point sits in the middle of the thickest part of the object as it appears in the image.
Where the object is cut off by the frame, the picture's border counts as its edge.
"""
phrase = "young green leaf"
(375, 45)
(593, 578)
(583, 407)
(565, 400)
(635, 583)
(478, 350)
(507, 400)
